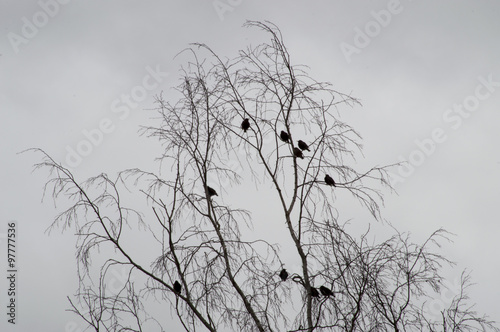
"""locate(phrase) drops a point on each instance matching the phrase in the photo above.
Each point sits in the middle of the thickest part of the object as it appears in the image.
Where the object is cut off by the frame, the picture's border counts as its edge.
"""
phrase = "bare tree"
(247, 116)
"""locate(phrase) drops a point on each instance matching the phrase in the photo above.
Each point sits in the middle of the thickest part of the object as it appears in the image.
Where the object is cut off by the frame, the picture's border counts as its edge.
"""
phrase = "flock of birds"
(325, 291)
(298, 153)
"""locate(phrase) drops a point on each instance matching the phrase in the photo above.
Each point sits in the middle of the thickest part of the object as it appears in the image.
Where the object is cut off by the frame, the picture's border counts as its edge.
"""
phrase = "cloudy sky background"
(69, 74)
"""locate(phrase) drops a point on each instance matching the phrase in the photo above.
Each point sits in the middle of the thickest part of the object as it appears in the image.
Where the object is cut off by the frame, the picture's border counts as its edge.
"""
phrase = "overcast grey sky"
(423, 71)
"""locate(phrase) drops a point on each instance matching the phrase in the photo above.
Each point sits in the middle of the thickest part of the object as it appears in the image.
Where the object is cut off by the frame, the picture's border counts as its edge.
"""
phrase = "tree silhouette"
(198, 261)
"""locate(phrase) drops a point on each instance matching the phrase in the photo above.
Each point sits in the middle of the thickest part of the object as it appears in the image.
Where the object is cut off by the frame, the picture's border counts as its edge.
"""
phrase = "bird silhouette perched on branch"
(211, 192)
(245, 125)
(177, 287)
(284, 136)
(325, 291)
(329, 180)
(283, 275)
(298, 153)
(314, 292)
(303, 145)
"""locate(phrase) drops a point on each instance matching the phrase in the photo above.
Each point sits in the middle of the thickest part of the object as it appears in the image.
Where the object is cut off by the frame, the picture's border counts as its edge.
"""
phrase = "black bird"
(245, 125)
(284, 136)
(177, 287)
(211, 192)
(298, 153)
(283, 274)
(329, 181)
(325, 291)
(303, 145)
(314, 292)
